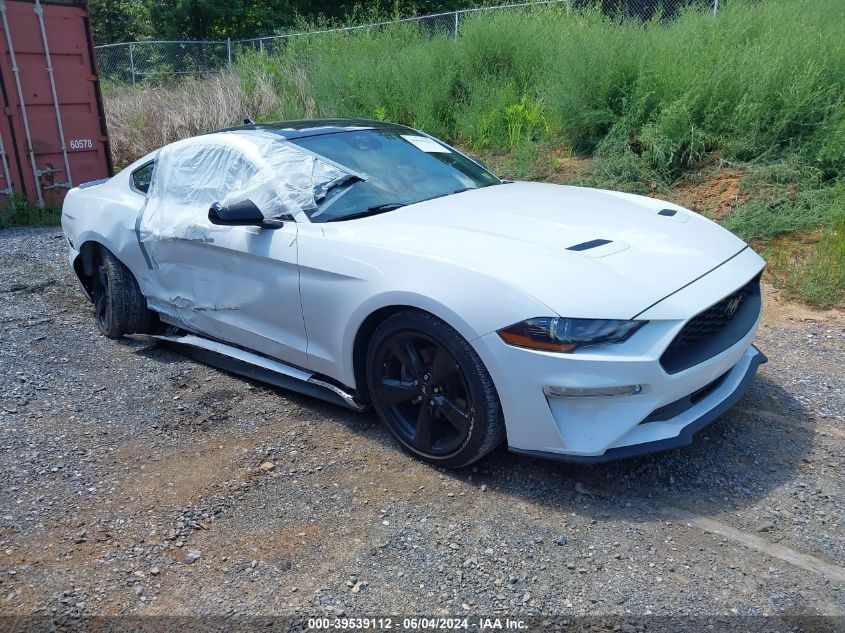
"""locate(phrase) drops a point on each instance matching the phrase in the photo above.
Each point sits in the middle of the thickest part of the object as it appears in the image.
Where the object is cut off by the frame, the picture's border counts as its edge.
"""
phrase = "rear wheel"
(119, 306)
(431, 390)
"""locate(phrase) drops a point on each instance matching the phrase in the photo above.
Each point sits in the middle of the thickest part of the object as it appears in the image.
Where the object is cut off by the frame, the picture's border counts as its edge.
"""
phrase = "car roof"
(304, 128)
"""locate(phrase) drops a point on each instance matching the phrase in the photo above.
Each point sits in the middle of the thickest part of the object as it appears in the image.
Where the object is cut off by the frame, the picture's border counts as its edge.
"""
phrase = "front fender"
(342, 283)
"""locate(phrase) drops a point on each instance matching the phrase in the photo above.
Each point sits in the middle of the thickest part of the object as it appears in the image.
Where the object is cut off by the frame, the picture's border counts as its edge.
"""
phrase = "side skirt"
(257, 367)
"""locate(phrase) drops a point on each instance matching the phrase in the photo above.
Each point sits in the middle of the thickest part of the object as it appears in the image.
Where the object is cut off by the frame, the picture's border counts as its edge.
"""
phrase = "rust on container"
(52, 127)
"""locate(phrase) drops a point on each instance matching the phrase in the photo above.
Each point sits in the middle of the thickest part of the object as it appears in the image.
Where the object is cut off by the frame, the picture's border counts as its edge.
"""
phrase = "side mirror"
(243, 213)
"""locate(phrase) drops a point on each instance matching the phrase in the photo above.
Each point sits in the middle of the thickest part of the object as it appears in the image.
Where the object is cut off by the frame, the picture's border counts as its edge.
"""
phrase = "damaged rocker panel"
(251, 365)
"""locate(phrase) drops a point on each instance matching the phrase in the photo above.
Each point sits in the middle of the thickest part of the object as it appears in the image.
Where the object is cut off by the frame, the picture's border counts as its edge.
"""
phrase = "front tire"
(431, 390)
(119, 306)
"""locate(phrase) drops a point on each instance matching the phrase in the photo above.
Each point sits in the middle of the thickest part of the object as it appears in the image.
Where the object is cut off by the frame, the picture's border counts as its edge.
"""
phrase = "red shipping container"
(52, 127)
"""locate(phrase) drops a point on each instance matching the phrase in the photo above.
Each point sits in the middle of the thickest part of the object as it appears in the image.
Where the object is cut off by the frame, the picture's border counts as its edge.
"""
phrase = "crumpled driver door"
(236, 284)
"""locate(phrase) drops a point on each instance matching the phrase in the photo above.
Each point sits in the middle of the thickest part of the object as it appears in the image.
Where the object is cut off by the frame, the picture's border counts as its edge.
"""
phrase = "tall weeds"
(757, 82)
(143, 119)
(760, 85)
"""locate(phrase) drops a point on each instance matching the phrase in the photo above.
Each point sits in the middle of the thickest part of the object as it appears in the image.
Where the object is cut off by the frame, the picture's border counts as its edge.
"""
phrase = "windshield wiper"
(373, 210)
(448, 193)
(350, 179)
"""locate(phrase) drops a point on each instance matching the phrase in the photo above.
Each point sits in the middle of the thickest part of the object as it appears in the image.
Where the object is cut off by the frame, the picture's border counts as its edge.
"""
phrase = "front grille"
(715, 329)
(710, 321)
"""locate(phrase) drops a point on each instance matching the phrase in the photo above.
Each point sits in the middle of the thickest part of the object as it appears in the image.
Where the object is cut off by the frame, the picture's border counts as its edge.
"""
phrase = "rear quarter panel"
(106, 214)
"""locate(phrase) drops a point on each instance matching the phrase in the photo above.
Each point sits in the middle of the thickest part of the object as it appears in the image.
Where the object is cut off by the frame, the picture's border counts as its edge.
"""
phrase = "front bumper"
(650, 417)
(738, 379)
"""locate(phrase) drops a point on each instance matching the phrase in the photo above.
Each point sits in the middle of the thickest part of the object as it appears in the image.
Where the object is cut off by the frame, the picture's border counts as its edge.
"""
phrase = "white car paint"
(480, 260)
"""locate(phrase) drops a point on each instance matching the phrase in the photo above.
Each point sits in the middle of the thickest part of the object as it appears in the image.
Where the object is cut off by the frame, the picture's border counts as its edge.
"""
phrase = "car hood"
(627, 254)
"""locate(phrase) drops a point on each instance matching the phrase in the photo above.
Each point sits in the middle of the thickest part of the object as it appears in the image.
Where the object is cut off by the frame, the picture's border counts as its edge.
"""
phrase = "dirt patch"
(277, 543)
(714, 197)
(778, 311)
(180, 477)
(560, 166)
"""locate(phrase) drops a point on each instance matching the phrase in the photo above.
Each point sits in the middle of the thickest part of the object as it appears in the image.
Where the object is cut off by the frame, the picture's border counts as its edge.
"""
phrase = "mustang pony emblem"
(733, 306)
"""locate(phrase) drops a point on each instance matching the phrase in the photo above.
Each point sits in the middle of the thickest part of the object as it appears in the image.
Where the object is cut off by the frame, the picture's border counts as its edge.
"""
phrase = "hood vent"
(585, 246)
(678, 216)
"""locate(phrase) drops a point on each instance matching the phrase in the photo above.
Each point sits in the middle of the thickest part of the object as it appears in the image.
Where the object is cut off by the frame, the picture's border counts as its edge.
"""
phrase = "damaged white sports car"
(369, 263)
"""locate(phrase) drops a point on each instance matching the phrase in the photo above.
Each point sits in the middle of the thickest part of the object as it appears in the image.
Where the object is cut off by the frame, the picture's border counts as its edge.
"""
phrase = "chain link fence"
(158, 61)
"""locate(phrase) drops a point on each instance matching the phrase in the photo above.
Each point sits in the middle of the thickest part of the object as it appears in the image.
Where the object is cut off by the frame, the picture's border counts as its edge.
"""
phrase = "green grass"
(757, 82)
(811, 269)
(19, 212)
(782, 212)
(820, 280)
(784, 197)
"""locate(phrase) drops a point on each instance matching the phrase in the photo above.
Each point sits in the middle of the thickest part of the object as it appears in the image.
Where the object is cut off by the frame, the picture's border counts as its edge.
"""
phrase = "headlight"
(557, 334)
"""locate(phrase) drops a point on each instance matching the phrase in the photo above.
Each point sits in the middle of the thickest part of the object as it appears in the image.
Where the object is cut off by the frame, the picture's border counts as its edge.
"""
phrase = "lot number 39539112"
(81, 143)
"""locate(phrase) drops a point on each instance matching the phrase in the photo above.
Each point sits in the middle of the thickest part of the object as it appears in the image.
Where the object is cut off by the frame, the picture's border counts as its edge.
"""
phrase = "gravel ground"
(136, 481)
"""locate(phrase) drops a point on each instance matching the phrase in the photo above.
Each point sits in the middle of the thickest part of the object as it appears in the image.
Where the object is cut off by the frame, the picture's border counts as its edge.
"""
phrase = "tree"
(641, 9)
(213, 19)
(119, 20)
(129, 20)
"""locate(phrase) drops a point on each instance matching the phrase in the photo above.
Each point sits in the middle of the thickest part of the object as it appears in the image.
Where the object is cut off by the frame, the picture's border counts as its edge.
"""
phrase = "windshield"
(400, 168)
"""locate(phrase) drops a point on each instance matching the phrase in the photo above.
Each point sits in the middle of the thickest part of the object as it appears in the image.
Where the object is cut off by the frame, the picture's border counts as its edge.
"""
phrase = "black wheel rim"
(423, 394)
(101, 291)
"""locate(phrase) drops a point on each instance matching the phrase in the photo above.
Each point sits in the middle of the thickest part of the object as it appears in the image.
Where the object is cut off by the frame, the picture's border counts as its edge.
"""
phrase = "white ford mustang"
(369, 263)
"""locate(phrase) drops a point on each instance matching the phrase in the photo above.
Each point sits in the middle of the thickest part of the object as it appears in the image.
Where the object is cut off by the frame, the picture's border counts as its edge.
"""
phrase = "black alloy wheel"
(424, 393)
(432, 391)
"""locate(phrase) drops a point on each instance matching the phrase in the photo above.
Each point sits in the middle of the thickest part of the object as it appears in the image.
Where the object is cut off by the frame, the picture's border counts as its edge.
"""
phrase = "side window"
(200, 175)
(141, 178)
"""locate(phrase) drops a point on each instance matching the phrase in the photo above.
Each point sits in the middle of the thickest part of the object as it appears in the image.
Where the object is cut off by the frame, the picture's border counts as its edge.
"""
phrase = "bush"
(748, 82)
